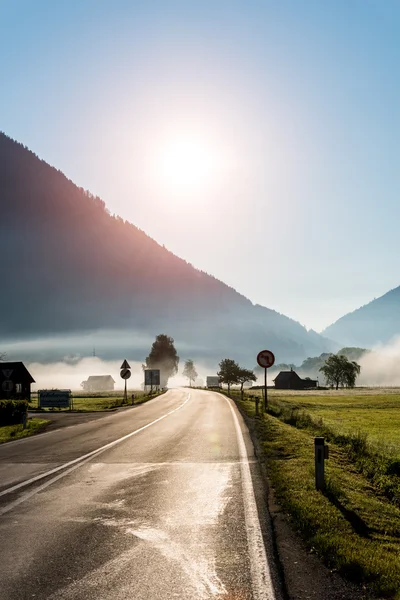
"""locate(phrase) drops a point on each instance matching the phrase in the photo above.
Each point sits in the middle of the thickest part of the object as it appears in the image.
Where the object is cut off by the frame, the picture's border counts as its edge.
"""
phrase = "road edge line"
(262, 584)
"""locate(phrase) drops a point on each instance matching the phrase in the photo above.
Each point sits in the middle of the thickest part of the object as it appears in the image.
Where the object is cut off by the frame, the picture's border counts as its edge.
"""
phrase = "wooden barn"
(15, 381)
(98, 383)
(289, 380)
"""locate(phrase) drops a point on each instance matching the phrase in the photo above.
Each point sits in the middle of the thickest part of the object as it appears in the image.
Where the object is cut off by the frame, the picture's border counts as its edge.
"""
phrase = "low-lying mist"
(381, 366)
(70, 373)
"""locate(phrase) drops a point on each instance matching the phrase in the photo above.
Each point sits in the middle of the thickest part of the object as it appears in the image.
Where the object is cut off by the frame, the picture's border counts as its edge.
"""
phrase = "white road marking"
(73, 464)
(259, 568)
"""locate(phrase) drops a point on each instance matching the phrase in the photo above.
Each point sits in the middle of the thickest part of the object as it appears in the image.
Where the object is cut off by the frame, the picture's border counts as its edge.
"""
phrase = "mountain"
(374, 323)
(69, 267)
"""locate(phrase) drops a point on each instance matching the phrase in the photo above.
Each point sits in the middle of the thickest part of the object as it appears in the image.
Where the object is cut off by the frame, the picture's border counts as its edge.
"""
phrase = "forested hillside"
(375, 323)
(68, 265)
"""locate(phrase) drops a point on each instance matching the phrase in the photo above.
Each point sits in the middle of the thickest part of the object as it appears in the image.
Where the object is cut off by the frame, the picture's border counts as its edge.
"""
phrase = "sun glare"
(188, 162)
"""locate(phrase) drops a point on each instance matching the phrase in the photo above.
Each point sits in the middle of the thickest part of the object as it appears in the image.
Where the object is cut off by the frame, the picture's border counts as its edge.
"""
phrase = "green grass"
(15, 432)
(355, 524)
(98, 402)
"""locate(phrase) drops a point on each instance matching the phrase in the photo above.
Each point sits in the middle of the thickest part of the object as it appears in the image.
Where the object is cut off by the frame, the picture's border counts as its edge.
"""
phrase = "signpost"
(265, 359)
(213, 381)
(125, 374)
(152, 377)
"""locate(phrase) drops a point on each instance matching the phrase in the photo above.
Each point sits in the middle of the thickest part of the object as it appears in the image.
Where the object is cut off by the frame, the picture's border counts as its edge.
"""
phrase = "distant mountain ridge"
(375, 323)
(70, 266)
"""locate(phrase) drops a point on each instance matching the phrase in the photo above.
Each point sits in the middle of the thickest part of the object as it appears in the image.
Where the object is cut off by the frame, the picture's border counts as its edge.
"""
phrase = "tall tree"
(244, 376)
(228, 372)
(189, 371)
(339, 370)
(163, 356)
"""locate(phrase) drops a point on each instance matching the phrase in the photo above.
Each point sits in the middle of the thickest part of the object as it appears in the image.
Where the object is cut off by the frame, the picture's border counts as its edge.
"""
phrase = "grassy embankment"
(84, 402)
(354, 525)
(15, 432)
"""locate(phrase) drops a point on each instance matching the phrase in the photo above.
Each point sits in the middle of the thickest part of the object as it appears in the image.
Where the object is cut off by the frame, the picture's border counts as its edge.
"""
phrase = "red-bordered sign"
(265, 359)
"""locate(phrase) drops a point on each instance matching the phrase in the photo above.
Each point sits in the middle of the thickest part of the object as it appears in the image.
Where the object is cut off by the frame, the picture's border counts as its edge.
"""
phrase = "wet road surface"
(160, 502)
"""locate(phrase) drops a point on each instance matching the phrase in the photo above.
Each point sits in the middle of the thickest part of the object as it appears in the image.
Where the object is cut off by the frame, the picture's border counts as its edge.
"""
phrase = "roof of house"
(16, 368)
(100, 378)
(287, 376)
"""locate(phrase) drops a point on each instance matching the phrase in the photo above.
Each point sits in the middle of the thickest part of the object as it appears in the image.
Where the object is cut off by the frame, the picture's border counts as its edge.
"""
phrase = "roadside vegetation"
(354, 524)
(15, 432)
(85, 402)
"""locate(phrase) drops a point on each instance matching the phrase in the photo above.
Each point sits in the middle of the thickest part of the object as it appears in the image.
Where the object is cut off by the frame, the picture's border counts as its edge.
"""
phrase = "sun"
(188, 162)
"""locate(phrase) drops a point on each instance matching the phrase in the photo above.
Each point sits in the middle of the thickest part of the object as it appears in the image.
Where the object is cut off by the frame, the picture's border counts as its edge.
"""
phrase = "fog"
(69, 373)
(381, 366)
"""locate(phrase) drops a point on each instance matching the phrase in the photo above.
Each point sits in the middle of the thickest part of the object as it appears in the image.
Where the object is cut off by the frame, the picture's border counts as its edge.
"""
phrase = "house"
(98, 383)
(289, 380)
(15, 381)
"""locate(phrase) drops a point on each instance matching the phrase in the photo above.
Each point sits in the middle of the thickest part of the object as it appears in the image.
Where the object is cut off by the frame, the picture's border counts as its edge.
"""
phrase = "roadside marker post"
(321, 452)
(265, 359)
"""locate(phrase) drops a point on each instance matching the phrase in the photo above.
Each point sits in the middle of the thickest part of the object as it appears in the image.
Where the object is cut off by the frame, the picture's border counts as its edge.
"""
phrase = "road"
(160, 502)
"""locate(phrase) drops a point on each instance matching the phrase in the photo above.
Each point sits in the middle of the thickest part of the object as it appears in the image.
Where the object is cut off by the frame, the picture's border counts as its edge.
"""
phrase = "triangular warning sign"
(7, 373)
(125, 365)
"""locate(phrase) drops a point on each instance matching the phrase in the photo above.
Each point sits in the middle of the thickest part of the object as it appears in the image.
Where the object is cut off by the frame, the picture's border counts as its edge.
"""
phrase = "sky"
(258, 140)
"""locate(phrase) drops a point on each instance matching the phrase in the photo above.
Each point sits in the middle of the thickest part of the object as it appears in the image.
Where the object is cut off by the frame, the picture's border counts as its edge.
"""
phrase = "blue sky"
(296, 102)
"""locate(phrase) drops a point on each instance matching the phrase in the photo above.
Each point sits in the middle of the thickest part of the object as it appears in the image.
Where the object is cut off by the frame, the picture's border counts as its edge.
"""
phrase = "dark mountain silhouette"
(68, 265)
(374, 323)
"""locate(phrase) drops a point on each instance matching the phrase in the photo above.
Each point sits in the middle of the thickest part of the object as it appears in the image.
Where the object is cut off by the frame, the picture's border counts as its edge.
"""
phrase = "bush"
(12, 411)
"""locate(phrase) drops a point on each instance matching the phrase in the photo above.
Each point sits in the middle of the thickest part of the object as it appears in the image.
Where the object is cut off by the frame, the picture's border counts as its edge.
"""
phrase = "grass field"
(354, 524)
(98, 402)
(374, 412)
(15, 432)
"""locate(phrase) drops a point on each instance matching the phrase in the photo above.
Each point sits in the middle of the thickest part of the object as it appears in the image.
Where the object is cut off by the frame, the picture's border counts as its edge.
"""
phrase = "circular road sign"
(125, 373)
(265, 359)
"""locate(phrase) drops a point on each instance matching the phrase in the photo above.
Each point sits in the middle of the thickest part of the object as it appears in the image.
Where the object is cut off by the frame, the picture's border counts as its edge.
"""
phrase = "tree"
(189, 371)
(163, 356)
(3, 356)
(228, 372)
(245, 375)
(339, 370)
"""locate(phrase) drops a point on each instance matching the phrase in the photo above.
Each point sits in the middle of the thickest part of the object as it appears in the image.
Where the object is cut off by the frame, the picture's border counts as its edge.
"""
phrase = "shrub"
(12, 411)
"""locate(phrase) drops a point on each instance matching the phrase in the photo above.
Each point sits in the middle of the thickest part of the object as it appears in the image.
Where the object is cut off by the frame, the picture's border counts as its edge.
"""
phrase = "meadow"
(353, 524)
(99, 401)
(371, 411)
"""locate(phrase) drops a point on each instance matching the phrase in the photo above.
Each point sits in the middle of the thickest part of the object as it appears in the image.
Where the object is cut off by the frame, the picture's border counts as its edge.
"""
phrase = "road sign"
(265, 359)
(54, 398)
(152, 377)
(125, 373)
(213, 381)
(125, 365)
(7, 373)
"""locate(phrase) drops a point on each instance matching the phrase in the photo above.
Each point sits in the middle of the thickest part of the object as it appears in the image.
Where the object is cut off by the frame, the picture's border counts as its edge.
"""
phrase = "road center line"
(259, 568)
(78, 461)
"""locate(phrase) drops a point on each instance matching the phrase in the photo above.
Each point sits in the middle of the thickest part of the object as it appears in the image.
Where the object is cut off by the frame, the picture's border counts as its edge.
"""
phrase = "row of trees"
(337, 368)
(231, 373)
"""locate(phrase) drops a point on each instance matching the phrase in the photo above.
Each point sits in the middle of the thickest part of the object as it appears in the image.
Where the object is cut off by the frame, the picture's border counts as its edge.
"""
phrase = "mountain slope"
(374, 323)
(69, 266)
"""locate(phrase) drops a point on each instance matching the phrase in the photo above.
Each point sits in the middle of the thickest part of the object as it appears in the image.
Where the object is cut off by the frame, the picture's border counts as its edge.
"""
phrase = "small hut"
(15, 381)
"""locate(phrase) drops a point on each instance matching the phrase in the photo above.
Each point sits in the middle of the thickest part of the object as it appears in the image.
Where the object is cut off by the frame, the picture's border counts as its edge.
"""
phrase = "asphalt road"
(160, 502)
